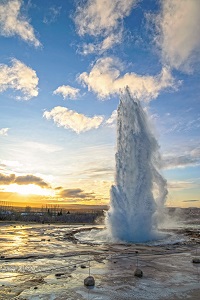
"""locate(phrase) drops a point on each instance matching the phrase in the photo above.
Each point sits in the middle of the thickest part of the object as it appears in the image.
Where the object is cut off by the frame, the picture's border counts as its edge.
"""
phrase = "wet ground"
(50, 262)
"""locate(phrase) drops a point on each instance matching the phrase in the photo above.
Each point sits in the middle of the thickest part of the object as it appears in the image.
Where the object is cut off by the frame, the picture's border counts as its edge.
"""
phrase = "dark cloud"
(31, 179)
(22, 180)
(7, 179)
(75, 193)
(190, 200)
(58, 188)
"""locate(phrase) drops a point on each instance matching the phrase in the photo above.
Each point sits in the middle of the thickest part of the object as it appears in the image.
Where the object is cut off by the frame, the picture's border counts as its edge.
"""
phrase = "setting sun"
(30, 189)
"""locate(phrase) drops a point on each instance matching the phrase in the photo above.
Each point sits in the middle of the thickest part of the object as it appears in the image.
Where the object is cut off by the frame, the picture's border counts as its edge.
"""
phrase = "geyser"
(133, 212)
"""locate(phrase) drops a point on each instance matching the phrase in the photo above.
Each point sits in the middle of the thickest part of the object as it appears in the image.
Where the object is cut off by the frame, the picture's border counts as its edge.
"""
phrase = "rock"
(83, 266)
(35, 288)
(89, 281)
(196, 260)
(138, 273)
(37, 280)
(59, 274)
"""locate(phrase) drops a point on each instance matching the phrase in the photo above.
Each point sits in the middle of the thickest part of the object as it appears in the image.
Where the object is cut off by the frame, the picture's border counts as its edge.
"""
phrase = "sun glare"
(30, 189)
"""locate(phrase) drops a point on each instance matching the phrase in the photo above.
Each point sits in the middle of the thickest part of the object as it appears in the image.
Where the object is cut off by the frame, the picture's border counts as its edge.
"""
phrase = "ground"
(49, 262)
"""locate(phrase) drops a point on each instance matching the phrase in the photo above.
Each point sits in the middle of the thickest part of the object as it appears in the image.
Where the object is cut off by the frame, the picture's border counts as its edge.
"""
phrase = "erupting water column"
(133, 208)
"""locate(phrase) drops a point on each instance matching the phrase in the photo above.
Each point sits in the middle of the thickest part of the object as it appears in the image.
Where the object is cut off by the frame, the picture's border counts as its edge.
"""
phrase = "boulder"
(89, 281)
(138, 273)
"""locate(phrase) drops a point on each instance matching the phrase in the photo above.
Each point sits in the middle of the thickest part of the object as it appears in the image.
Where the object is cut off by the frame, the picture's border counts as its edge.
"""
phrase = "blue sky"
(62, 66)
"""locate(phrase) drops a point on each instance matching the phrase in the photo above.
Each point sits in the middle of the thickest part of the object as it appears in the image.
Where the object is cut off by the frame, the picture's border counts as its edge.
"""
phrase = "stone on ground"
(138, 273)
(89, 281)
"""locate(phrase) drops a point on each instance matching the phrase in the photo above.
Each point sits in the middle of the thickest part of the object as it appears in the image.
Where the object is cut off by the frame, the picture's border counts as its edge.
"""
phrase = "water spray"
(133, 210)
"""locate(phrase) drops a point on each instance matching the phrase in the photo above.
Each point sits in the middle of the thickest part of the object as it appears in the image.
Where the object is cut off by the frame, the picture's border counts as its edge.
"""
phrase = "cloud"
(105, 44)
(182, 161)
(112, 120)
(178, 33)
(102, 18)
(94, 163)
(189, 158)
(48, 148)
(191, 200)
(58, 188)
(109, 41)
(67, 91)
(12, 22)
(75, 193)
(2, 166)
(4, 131)
(20, 78)
(70, 119)
(7, 179)
(11, 163)
(22, 180)
(52, 15)
(104, 79)
(31, 179)
(98, 172)
(181, 185)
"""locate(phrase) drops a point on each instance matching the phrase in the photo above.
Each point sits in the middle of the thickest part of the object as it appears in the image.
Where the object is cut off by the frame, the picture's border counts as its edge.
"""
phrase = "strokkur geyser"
(133, 208)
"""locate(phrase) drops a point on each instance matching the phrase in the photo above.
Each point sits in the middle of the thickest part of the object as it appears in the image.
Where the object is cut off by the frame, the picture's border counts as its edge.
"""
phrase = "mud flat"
(51, 262)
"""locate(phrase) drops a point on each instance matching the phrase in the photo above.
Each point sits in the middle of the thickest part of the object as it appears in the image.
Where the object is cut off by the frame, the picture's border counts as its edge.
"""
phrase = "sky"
(63, 65)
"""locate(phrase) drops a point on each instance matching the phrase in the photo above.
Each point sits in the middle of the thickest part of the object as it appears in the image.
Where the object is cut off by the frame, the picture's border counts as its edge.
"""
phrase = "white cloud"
(12, 22)
(11, 163)
(188, 158)
(67, 91)
(102, 18)
(181, 185)
(20, 78)
(107, 43)
(178, 28)
(48, 148)
(104, 79)
(4, 131)
(70, 119)
(112, 120)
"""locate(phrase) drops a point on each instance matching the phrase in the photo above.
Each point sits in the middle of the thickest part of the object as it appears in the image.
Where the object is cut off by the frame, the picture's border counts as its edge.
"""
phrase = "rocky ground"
(50, 262)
